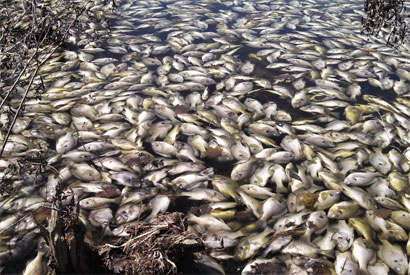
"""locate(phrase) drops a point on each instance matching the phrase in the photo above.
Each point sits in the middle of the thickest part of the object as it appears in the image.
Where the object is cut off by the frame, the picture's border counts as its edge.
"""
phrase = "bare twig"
(387, 14)
(34, 74)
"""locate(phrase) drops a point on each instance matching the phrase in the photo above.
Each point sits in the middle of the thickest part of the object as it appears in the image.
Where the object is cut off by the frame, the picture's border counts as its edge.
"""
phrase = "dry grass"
(152, 247)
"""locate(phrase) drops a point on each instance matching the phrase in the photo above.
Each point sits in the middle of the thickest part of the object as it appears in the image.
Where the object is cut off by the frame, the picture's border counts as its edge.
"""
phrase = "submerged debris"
(152, 247)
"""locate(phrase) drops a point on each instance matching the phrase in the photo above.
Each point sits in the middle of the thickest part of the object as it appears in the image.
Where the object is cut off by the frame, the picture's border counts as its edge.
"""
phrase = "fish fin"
(235, 196)
(328, 253)
(363, 271)
(107, 231)
(306, 236)
(209, 173)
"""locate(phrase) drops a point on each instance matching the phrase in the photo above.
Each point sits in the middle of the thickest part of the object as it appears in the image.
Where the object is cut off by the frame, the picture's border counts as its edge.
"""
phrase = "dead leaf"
(268, 268)
(321, 268)
(179, 109)
(142, 159)
(307, 199)
(108, 192)
(42, 214)
(382, 213)
(205, 209)
(213, 151)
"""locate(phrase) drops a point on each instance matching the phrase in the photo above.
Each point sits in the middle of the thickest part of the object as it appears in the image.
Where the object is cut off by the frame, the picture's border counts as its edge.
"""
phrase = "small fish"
(250, 245)
(38, 265)
(300, 247)
(361, 254)
(359, 196)
(185, 167)
(203, 194)
(281, 157)
(101, 217)
(159, 204)
(256, 191)
(97, 202)
(343, 210)
(315, 224)
(380, 162)
(326, 199)
(360, 178)
(252, 204)
(126, 179)
(65, 143)
(225, 186)
(129, 212)
(243, 169)
(164, 149)
(393, 256)
(272, 207)
(362, 227)
(188, 179)
(85, 172)
(207, 223)
(345, 265)
(344, 235)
